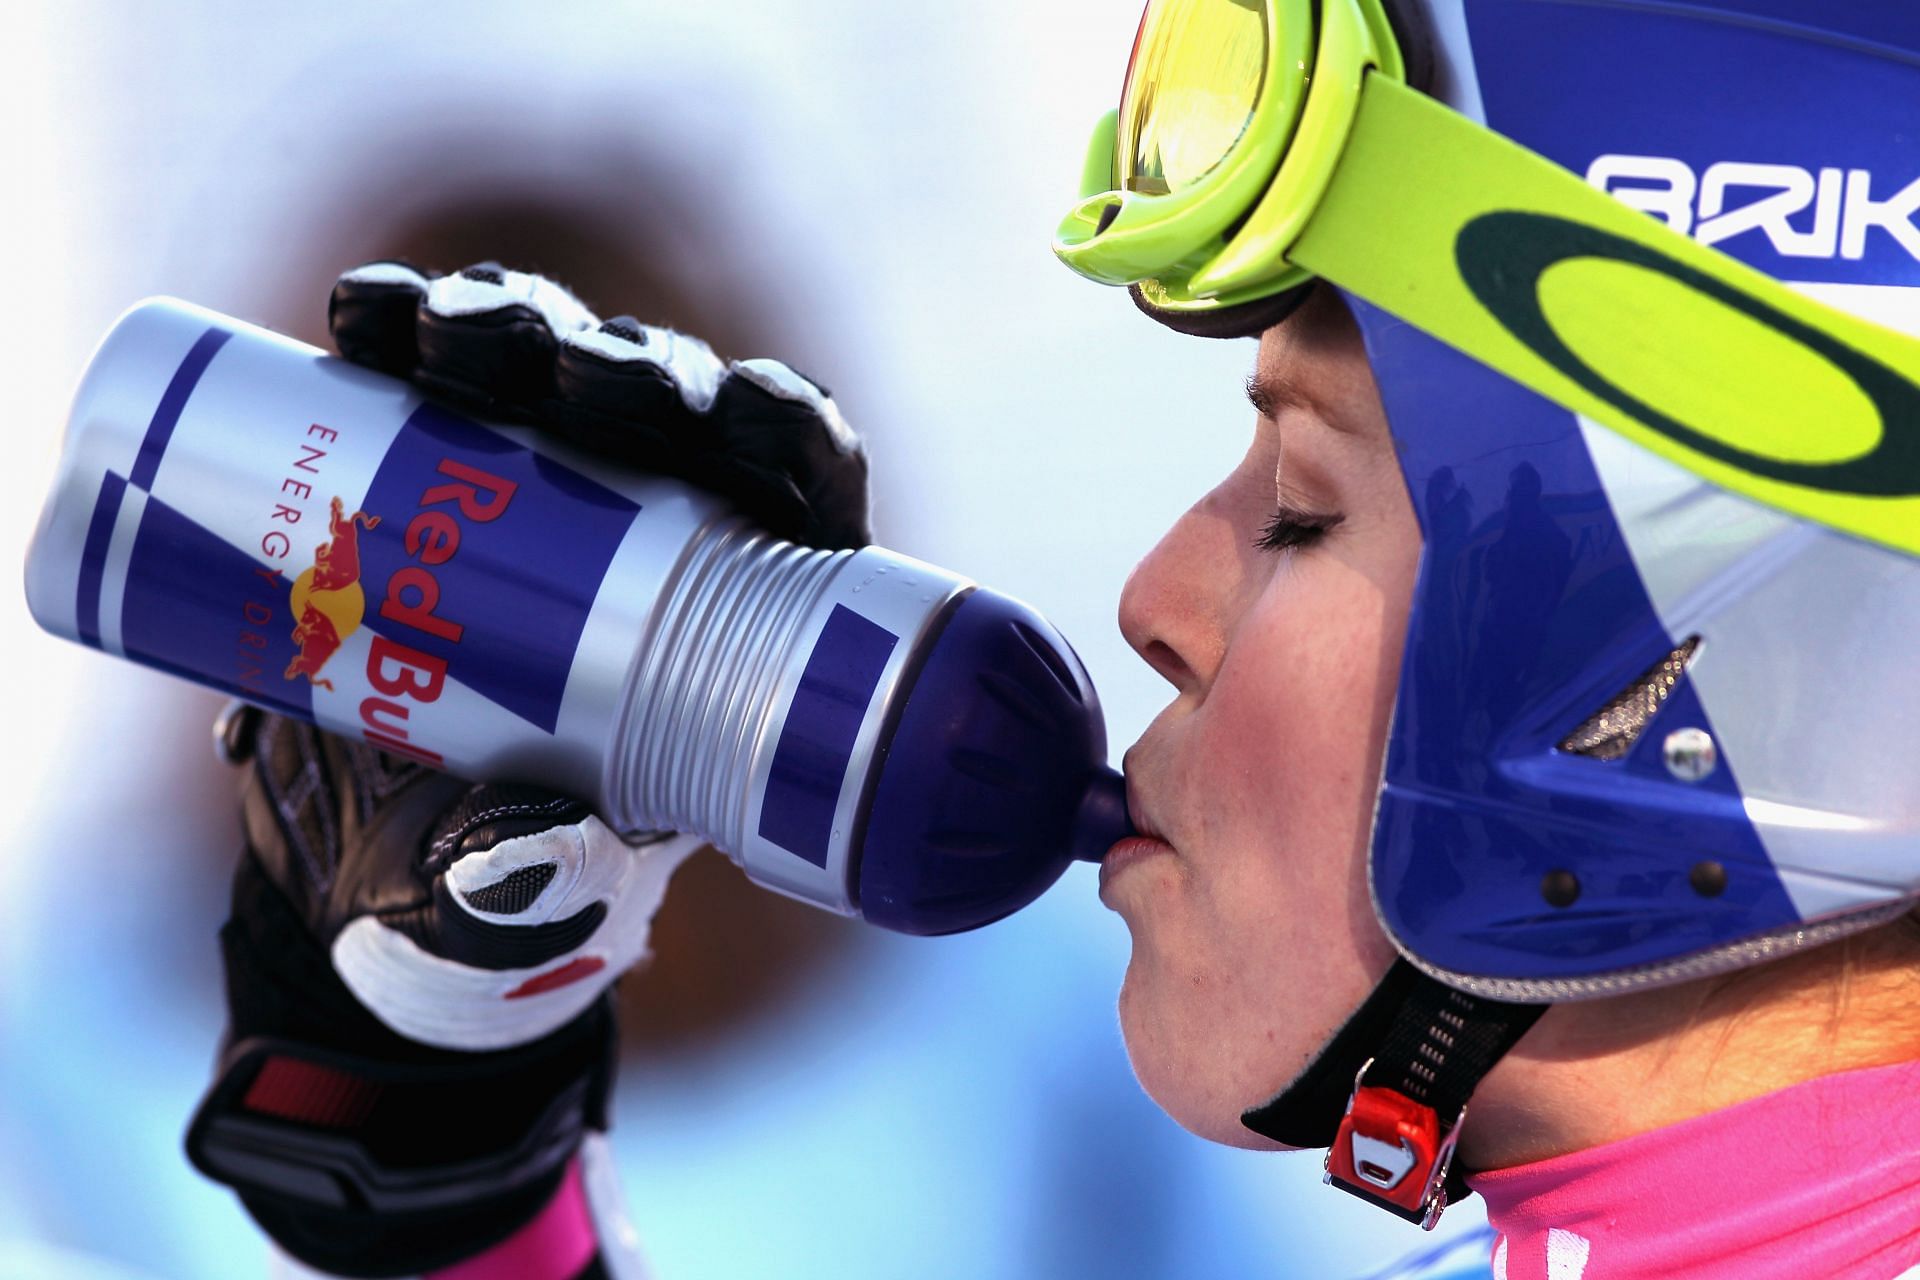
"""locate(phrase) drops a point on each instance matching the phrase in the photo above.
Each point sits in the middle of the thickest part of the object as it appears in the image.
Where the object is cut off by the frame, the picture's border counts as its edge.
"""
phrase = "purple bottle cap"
(994, 780)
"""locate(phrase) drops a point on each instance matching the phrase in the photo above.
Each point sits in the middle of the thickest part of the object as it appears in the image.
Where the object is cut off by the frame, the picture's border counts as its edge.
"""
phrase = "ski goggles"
(1263, 143)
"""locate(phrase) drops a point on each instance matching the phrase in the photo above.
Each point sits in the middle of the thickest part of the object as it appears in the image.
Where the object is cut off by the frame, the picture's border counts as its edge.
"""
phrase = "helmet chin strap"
(1388, 1093)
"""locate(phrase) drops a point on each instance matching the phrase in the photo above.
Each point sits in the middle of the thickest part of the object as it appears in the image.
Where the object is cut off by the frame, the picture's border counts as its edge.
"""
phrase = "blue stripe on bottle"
(200, 607)
(167, 414)
(810, 762)
(146, 464)
(93, 557)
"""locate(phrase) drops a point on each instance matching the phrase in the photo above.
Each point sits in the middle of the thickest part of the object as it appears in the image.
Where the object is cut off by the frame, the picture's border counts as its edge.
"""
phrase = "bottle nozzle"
(1102, 819)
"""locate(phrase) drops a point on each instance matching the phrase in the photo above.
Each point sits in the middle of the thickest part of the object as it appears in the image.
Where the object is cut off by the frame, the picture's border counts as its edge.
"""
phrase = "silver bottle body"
(671, 651)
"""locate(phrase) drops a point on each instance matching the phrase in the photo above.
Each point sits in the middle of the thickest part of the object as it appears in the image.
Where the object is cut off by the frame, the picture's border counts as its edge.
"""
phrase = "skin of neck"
(1596, 1071)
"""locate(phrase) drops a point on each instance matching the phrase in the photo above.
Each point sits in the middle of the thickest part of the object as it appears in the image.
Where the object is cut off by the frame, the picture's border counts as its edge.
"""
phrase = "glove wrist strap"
(350, 1161)
(331, 1129)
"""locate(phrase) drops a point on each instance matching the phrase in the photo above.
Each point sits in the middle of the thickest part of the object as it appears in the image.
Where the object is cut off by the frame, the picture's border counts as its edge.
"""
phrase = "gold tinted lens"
(1196, 73)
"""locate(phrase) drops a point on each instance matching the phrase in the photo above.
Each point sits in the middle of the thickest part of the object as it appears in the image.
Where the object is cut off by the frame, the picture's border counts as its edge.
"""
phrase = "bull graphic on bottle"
(327, 598)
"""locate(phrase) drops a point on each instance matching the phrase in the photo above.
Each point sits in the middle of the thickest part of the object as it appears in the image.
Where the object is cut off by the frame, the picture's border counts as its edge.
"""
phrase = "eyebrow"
(1269, 393)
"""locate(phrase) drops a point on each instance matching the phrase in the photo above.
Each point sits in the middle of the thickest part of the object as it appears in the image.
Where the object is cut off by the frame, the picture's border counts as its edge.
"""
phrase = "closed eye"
(1291, 529)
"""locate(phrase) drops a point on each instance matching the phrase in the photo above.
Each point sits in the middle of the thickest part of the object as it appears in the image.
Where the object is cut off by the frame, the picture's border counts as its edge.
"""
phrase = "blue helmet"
(1648, 730)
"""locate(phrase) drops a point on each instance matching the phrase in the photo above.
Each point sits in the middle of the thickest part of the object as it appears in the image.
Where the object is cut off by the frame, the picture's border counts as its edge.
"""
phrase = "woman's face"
(1275, 608)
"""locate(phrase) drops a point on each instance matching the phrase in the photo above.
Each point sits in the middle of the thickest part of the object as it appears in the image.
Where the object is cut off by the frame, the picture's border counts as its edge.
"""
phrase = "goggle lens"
(1196, 73)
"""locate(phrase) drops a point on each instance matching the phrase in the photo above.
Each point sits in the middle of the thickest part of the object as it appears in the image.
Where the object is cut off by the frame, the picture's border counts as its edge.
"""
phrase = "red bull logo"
(327, 599)
(330, 603)
(405, 678)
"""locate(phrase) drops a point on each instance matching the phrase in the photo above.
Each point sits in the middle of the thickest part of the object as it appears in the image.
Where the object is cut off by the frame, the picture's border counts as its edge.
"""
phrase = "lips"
(1147, 842)
(1124, 854)
(1138, 811)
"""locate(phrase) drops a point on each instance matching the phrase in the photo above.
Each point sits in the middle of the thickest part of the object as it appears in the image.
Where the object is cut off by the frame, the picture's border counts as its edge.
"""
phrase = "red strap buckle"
(1390, 1151)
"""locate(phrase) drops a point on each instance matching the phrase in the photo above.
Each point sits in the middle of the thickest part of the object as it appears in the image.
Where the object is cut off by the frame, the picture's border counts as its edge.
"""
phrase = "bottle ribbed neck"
(701, 695)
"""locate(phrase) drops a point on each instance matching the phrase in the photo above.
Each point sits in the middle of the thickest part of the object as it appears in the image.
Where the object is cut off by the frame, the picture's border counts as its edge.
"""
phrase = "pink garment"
(1822, 1179)
(556, 1245)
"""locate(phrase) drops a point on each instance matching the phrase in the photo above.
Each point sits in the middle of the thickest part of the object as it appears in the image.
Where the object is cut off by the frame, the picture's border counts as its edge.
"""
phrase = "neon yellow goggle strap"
(1681, 348)
(1171, 238)
(1690, 353)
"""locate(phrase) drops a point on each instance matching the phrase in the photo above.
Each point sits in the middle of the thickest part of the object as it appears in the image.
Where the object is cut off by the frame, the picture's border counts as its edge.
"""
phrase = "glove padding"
(521, 348)
(462, 916)
(361, 1152)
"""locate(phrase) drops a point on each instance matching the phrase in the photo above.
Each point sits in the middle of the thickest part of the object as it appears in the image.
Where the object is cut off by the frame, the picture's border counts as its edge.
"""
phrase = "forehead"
(1315, 360)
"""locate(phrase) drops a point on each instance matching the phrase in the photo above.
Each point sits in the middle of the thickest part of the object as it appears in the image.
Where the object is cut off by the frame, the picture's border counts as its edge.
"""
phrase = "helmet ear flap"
(1241, 320)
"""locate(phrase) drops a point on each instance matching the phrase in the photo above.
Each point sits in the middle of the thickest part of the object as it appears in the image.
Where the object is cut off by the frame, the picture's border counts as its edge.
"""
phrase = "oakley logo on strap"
(1505, 258)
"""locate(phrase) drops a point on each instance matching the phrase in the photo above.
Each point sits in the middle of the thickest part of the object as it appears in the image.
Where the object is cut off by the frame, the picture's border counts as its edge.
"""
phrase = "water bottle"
(857, 729)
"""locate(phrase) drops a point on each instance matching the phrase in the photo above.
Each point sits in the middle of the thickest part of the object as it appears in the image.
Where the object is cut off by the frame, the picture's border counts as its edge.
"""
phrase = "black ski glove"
(419, 1035)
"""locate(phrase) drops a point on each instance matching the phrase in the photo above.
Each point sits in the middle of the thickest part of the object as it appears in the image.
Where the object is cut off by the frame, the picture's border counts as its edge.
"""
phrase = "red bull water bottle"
(857, 729)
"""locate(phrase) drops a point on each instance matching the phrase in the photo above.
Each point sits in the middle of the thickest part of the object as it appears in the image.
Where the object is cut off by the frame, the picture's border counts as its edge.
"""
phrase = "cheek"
(1258, 939)
(1296, 708)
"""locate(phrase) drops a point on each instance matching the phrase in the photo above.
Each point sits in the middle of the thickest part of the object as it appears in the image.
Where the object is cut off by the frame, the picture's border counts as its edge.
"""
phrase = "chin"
(1187, 1077)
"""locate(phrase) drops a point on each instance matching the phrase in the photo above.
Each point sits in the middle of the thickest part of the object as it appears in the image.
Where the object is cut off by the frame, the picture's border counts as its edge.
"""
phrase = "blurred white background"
(873, 185)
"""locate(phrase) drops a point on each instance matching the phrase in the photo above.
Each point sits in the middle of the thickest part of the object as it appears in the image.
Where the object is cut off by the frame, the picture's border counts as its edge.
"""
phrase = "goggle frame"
(1223, 239)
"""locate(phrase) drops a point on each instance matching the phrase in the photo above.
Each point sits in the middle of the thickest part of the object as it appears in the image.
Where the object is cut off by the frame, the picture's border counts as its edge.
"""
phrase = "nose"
(1165, 610)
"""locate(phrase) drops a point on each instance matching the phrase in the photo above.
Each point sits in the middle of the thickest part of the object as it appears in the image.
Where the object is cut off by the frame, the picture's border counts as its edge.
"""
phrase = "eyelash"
(1290, 530)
